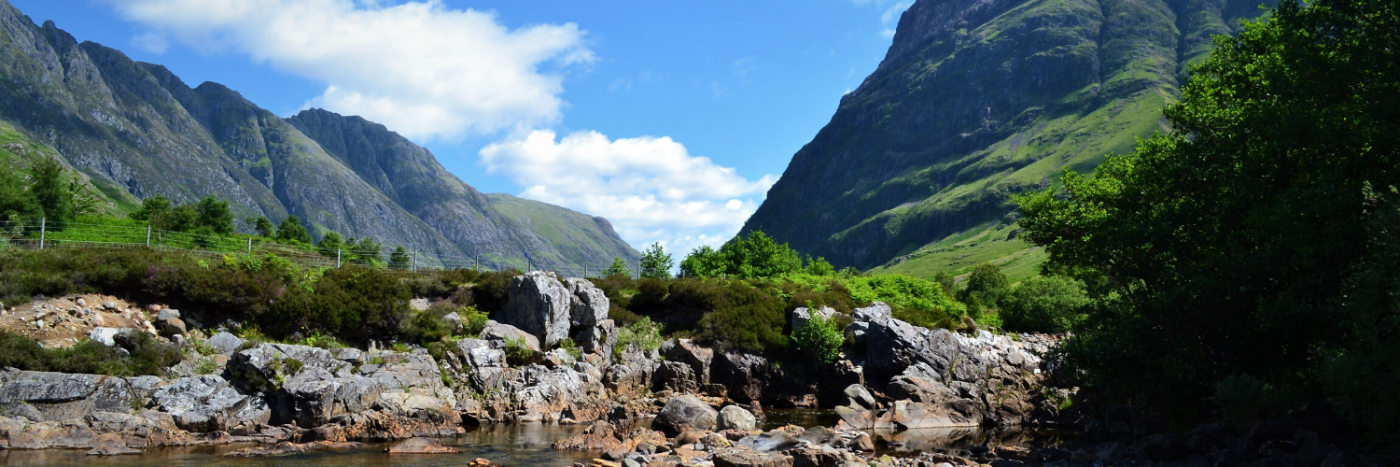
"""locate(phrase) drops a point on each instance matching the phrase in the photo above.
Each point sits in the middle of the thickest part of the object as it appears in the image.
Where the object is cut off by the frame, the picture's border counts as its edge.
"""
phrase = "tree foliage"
(656, 262)
(618, 268)
(291, 230)
(819, 339)
(754, 256)
(1240, 231)
(1044, 304)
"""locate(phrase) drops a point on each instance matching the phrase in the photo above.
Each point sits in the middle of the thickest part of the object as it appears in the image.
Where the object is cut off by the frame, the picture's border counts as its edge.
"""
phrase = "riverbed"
(510, 445)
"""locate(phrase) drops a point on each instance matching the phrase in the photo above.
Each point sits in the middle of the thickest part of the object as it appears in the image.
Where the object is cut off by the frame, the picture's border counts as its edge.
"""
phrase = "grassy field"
(957, 254)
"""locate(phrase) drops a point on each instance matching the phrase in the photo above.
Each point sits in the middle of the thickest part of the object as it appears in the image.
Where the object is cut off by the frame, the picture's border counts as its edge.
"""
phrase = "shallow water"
(511, 445)
(515, 445)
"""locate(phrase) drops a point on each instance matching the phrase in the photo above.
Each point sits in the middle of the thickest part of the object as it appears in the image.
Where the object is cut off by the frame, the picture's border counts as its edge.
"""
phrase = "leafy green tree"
(656, 263)
(331, 245)
(703, 262)
(60, 199)
(819, 267)
(1237, 232)
(820, 338)
(15, 200)
(367, 251)
(618, 268)
(265, 228)
(182, 218)
(154, 210)
(399, 259)
(215, 215)
(947, 281)
(292, 230)
(986, 284)
(1044, 304)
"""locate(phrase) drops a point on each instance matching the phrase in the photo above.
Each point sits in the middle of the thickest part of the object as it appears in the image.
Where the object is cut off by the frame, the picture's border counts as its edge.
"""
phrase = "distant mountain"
(136, 130)
(979, 99)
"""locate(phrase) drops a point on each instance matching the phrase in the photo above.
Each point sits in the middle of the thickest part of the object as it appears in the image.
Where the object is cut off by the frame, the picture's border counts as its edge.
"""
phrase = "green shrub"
(645, 335)
(518, 352)
(1044, 304)
(148, 356)
(749, 318)
(986, 284)
(917, 301)
(571, 347)
(473, 321)
(820, 339)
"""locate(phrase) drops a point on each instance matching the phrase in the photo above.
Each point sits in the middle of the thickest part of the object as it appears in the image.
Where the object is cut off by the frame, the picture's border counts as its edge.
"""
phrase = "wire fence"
(45, 234)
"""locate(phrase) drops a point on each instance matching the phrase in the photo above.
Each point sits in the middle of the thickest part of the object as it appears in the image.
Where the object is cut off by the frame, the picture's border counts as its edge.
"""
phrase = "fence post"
(250, 246)
(337, 258)
(43, 221)
(414, 268)
(148, 235)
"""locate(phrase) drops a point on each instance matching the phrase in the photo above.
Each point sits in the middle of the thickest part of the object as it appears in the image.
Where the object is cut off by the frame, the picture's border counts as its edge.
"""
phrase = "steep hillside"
(135, 130)
(979, 99)
(582, 238)
(18, 153)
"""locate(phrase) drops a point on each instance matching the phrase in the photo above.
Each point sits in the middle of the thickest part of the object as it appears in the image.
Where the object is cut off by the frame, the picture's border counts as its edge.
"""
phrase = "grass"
(958, 253)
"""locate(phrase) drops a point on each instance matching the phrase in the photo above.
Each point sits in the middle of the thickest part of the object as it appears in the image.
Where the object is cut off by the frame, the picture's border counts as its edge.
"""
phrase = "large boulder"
(224, 343)
(208, 403)
(683, 413)
(314, 397)
(482, 363)
(45, 396)
(498, 333)
(893, 345)
(261, 367)
(734, 417)
(877, 312)
(688, 352)
(676, 377)
(747, 377)
(539, 304)
(553, 310)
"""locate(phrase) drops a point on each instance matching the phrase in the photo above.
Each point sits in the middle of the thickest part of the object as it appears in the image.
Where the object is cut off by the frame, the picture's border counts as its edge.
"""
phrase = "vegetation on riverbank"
(1247, 260)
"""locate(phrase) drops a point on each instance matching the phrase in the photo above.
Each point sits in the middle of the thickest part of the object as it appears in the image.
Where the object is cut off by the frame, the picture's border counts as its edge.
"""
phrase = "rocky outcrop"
(551, 310)
(43, 396)
(203, 404)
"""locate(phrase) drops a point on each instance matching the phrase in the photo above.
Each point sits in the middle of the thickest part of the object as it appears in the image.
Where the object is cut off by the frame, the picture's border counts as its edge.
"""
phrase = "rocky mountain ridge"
(135, 130)
(977, 100)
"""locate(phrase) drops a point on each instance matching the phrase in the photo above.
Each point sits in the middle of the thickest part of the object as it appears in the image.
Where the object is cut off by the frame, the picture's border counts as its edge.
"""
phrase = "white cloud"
(651, 189)
(151, 42)
(420, 68)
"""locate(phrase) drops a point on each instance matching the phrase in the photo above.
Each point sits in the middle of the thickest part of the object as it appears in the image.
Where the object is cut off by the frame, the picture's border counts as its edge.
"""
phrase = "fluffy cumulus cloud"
(420, 68)
(651, 189)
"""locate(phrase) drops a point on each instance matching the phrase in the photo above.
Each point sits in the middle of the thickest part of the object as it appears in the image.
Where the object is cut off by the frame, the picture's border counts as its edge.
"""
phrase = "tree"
(618, 268)
(215, 215)
(656, 263)
(331, 245)
(15, 201)
(59, 199)
(986, 285)
(1238, 231)
(265, 227)
(399, 259)
(703, 261)
(367, 251)
(819, 267)
(1044, 304)
(291, 230)
(154, 210)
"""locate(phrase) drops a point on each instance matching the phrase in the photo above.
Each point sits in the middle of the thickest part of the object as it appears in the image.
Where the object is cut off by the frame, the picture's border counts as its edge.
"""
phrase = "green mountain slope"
(574, 234)
(979, 99)
(135, 130)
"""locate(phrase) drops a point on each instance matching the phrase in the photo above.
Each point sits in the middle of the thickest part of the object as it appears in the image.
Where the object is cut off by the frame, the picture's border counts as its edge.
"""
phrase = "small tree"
(215, 215)
(292, 230)
(656, 263)
(15, 200)
(154, 210)
(986, 285)
(1046, 304)
(703, 262)
(399, 259)
(618, 268)
(58, 198)
(367, 251)
(265, 228)
(330, 244)
(819, 267)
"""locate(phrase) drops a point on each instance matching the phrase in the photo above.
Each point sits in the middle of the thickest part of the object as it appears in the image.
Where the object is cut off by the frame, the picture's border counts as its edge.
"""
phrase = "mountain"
(135, 130)
(979, 99)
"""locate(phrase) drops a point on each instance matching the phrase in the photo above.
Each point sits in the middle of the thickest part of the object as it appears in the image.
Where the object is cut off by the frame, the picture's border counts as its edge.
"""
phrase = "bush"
(518, 352)
(644, 336)
(148, 356)
(917, 301)
(1044, 304)
(473, 321)
(749, 318)
(820, 339)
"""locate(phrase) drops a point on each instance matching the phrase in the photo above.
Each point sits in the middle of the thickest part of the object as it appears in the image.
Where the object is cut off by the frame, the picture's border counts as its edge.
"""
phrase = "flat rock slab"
(287, 449)
(749, 458)
(420, 446)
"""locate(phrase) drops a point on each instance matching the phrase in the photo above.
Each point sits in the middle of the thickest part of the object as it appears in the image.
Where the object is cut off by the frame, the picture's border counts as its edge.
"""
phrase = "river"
(511, 445)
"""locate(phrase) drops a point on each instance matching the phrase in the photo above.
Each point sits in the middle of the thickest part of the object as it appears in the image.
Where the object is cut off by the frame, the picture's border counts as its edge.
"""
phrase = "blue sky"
(669, 118)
